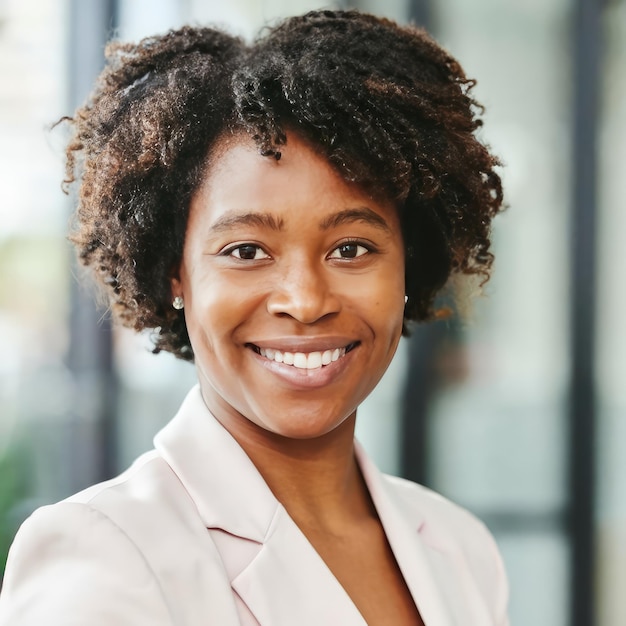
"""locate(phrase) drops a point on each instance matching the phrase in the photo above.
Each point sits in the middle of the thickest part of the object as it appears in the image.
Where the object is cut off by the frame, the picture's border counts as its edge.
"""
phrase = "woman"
(276, 213)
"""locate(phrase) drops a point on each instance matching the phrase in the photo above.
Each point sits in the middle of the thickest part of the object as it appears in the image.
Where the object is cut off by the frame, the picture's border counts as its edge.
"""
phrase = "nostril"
(304, 305)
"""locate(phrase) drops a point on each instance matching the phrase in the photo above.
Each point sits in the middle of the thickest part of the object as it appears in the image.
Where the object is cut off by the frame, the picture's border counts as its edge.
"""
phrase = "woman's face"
(293, 283)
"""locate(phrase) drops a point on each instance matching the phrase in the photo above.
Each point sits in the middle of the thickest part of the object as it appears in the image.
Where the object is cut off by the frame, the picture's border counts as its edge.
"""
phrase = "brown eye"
(248, 252)
(348, 251)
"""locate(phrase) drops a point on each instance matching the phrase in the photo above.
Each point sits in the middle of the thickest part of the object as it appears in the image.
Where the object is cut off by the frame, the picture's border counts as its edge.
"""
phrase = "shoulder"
(99, 556)
(81, 567)
(435, 510)
(445, 524)
(147, 489)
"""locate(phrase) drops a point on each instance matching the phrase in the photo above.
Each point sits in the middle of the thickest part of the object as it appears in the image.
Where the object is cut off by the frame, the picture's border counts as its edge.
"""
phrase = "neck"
(317, 480)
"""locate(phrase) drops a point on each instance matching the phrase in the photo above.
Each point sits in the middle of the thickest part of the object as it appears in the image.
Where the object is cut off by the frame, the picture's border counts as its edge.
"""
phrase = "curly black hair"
(383, 103)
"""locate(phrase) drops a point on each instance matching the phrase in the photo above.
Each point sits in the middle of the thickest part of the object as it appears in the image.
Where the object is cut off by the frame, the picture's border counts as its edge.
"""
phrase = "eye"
(247, 252)
(349, 250)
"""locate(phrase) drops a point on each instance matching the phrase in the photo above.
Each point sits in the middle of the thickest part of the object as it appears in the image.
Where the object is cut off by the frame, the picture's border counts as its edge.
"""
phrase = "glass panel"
(492, 453)
(538, 567)
(245, 17)
(142, 18)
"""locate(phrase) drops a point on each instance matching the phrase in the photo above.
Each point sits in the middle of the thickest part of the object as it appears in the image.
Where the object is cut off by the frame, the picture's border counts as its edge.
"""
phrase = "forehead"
(301, 183)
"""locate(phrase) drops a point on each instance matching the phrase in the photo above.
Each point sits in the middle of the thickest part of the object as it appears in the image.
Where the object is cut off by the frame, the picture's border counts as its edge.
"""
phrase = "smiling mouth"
(304, 360)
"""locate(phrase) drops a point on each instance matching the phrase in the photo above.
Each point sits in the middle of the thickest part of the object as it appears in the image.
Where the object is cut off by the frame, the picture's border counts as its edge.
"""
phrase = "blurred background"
(517, 411)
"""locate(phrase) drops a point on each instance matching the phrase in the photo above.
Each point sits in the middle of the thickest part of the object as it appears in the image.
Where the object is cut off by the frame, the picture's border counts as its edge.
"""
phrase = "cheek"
(384, 295)
(216, 309)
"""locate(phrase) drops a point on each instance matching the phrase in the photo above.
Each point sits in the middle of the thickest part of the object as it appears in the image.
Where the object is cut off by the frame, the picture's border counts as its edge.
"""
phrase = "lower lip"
(304, 378)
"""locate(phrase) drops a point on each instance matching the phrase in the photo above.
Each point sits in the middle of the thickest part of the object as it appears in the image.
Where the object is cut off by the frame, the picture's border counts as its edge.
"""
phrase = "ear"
(176, 286)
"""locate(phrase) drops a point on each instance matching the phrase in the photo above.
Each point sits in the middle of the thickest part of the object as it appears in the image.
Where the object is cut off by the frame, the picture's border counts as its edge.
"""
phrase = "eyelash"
(229, 252)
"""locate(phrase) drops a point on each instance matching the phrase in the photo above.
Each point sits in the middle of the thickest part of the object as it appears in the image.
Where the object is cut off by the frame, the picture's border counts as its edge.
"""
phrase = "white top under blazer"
(191, 535)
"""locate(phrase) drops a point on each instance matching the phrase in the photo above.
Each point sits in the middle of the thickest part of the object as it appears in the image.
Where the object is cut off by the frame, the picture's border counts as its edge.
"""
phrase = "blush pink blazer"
(191, 535)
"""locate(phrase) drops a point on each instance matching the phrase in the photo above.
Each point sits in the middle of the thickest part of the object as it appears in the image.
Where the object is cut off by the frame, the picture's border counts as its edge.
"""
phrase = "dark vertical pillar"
(586, 42)
(423, 346)
(422, 385)
(92, 431)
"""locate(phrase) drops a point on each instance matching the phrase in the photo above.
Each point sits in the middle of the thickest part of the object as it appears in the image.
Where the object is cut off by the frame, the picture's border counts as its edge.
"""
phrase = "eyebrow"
(265, 220)
(360, 214)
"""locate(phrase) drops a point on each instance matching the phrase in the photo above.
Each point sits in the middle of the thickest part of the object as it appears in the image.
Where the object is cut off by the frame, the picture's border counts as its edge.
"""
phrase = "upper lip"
(304, 344)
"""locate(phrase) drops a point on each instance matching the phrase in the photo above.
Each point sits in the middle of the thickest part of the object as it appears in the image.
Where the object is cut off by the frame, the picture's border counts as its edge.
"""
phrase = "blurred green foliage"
(14, 490)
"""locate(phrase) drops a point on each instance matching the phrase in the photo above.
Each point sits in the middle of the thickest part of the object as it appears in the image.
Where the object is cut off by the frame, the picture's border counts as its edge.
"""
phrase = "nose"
(303, 292)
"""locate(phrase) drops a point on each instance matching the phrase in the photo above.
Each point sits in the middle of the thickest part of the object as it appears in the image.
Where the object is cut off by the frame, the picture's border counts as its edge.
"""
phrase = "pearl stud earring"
(178, 303)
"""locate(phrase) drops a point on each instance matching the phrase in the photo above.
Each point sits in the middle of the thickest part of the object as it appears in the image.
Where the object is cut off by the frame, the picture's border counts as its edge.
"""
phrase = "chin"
(306, 427)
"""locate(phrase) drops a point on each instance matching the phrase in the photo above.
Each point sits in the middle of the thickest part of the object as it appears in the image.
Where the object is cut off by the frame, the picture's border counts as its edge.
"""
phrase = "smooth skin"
(285, 256)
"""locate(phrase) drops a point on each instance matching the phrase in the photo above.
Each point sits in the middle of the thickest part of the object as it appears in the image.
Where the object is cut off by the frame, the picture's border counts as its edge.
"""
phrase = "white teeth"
(299, 360)
(314, 360)
(302, 360)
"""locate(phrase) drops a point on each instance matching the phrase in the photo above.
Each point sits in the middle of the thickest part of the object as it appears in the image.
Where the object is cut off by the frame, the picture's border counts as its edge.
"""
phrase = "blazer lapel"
(226, 488)
(297, 586)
